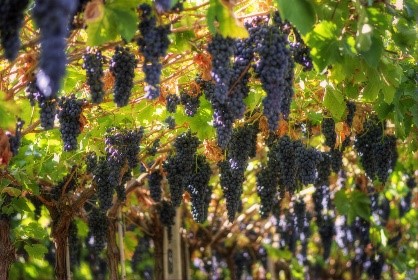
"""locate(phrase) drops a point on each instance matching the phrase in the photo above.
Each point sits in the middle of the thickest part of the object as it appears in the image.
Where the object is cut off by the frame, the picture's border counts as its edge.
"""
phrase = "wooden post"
(121, 246)
(186, 260)
(271, 268)
(172, 250)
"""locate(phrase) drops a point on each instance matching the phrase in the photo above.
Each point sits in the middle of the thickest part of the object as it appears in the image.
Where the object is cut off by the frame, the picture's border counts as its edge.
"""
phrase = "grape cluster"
(91, 162)
(191, 103)
(328, 129)
(104, 188)
(167, 212)
(163, 5)
(171, 122)
(180, 165)
(16, 139)
(230, 85)
(285, 154)
(69, 113)
(307, 160)
(343, 235)
(221, 50)
(301, 52)
(154, 185)
(240, 149)
(267, 182)
(198, 188)
(11, 21)
(302, 221)
(378, 154)
(154, 148)
(98, 224)
(172, 100)
(93, 64)
(122, 66)
(351, 110)
(274, 68)
(286, 227)
(122, 147)
(153, 45)
(377, 261)
(326, 232)
(52, 18)
(243, 262)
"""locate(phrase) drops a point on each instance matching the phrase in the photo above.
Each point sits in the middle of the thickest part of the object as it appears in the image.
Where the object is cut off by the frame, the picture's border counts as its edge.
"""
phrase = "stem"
(67, 256)
(7, 250)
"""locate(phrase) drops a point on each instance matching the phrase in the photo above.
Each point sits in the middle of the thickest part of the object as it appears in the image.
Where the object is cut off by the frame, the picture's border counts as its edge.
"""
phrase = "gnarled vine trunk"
(7, 250)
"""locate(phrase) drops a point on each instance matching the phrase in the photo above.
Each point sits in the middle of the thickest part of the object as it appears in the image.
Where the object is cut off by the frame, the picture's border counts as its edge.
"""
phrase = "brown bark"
(7, 250)
(61, 256)
(158, 239)
(112, 251)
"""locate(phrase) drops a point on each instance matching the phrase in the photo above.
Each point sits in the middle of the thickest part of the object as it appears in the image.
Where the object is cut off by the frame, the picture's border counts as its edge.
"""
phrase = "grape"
(376, 266)
(190, 103)
(336, 160)
(343, 234)
(274, 69)
(172, 100)
(302, 221)
(93, 64)
(324, 170)
(167, 212)
(52, 18)
(328, 129)
(326, 231)
(180, 165)
(267, 183)
(301, 52)
(287, 230)
(11, 21)
(306, 161)
(405, 204)
(377, 152)
(103, 187)
(154, 185)
(69, 117)
(91, 162)
(410, 182)
(154, 148)
(351, 108)
(197, 187)
(122, 147)
(232, 169)
(98, 224)
(15, 140)
(153, 45)
(122, 66)
(243, 263)
(221, 50)
(163, 5)
(171, 122)
(360, 229)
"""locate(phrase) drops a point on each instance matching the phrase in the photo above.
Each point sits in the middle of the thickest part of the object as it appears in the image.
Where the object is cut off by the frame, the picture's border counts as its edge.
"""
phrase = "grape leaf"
(36, 251)
(299, 12)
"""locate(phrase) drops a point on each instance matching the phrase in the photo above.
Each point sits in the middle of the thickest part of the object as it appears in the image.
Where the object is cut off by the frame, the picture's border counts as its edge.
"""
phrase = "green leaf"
(361, 204)
(102, 31)
(11, 191)
(125, 19)
(383, 237)
(36, 251)
(228, 26)
(342, 203)
(299, 12)
(324, 44)
(373, 87)
(334, 102)
(373, 54)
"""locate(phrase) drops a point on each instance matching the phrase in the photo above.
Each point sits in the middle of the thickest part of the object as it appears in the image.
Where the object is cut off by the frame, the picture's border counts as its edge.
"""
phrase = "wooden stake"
(172, 250)
(121, 245)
